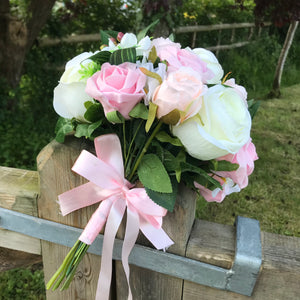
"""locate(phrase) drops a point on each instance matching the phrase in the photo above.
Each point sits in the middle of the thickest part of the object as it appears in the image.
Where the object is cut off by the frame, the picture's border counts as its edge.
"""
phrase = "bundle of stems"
(68, 268)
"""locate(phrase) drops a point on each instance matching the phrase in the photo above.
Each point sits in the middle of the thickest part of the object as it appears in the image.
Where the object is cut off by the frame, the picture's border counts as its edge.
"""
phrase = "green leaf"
(169, 160)
(115, 117)
(166, 200)
(144, 31)
(94, 111)
(123, 55)
(151, 116)
(153, 174)
(101, 57)
(140, 111)
(172, 37)
(181, 157)
(204, 182)
(222, 165)
(163, 137)
(63, 127)
(82, 130)
(186, 167)
(93, 127)
(107, 34)
(253, 107)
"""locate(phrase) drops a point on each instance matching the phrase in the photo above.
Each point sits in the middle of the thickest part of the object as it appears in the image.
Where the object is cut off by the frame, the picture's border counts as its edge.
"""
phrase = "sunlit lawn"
(273, 195)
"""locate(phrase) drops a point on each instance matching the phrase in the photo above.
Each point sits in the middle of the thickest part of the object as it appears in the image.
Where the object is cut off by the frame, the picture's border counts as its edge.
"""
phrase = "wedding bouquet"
(158, 115)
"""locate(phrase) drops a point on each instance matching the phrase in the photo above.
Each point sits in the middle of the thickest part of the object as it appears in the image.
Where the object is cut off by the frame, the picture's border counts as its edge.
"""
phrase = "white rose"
(222, 125)
(70, 95)
(212, 64)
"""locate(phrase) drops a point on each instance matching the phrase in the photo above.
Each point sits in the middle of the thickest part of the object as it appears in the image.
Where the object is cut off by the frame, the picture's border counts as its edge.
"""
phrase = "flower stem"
(68, 267)
(144, 150)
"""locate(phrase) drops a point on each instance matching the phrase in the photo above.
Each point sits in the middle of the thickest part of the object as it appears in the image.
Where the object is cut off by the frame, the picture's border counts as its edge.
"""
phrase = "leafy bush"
(21, 284)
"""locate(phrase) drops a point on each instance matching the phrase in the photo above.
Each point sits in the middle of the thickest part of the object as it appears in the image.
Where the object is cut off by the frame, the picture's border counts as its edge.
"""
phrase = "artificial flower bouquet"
(158, 115)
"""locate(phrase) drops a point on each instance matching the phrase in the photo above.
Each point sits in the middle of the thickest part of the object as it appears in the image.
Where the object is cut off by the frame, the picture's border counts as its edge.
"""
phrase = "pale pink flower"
(245, 158)
(218, 195)
(117, 88)
(177, 58)
(182, 90)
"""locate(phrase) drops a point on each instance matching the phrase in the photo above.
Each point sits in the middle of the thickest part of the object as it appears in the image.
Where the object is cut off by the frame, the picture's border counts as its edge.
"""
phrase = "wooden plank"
(199, 28)
(17, 241)
(19, 190)
(214, 243)
(54, 166)
(149, 285)
(78, 38)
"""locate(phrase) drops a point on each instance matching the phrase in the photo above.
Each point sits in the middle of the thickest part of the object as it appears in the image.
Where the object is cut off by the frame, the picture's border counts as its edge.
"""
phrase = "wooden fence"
(35, 193)
(252, 31)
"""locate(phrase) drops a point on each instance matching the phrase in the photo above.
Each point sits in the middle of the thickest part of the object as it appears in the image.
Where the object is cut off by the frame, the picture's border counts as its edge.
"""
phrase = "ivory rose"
(69, 95)
(177, 58)
(238, 88)
(117, 88)
(212, 64)
(221, 126)
(245, 158)
(218, 195)
(182, 90)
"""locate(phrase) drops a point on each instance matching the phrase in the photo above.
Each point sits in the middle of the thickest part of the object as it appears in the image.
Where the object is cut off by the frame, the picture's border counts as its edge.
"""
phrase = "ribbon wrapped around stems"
(108, 186)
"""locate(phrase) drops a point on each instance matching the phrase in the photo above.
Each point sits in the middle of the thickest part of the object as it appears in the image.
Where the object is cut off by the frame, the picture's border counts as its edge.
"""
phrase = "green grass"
(273, 193)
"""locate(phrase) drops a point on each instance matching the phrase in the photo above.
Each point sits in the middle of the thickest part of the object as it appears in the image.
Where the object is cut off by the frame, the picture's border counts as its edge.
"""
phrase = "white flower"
(70, 95)
(69, 100)
(152, 83)
(129, 40)
(73, 66)
(212, 64)
(222, 125)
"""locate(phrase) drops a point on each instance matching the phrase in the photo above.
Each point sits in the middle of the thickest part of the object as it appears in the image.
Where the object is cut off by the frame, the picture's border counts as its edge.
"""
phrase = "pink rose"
(182, 90)
(218, 195)
(177, 58)
(117, 88)
(238, 88)
(245, 157)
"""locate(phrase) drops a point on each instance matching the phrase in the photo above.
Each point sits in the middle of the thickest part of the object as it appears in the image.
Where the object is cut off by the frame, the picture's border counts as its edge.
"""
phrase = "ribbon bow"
(108, 185)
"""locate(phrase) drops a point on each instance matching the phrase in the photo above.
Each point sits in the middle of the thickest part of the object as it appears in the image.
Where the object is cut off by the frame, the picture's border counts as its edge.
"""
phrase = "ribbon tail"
(96, 222)
(131, 234)
(156, 236)
(112, 225)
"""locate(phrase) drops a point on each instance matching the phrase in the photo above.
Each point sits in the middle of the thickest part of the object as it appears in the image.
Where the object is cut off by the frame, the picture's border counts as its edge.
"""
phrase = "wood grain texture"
(54, 165)
(149, 285)
(19, 190)
(215, 244)
(17, 241)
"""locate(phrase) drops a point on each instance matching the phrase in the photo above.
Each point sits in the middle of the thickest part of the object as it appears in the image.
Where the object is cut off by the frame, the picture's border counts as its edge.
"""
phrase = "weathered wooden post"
(54, 166)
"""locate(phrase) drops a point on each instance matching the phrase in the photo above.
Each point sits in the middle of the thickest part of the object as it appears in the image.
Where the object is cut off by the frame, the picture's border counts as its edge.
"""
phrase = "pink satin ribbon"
(108, 186)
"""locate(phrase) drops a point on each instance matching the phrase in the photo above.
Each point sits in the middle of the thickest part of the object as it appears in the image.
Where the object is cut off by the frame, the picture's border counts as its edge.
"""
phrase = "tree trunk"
(275, 92)
(17, 37)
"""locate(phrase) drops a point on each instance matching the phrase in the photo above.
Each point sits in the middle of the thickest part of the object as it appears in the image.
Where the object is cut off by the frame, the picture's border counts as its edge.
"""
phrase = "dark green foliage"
(22, 284)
